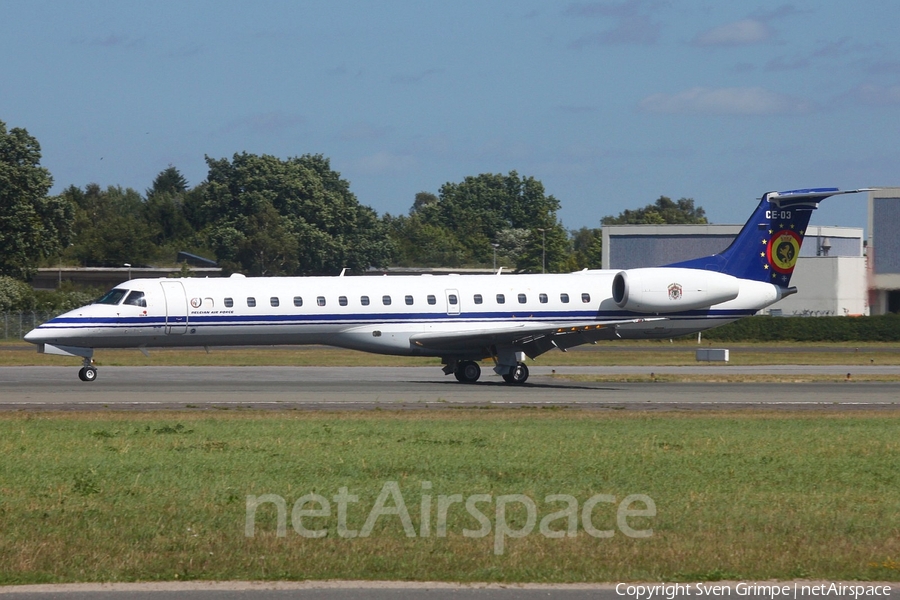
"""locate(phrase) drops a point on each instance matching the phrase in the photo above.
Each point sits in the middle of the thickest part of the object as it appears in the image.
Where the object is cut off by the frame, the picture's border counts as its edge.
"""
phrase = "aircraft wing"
(533, 338)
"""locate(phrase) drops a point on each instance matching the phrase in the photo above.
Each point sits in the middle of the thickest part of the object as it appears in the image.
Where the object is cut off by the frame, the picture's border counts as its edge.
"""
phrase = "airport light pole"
(543, 249)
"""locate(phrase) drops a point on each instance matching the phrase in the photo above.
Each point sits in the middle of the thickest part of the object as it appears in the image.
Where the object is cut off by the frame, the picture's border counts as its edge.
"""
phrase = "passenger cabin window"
(478, 299)
(432, 300)
(342, 300)
(298, 301)
(251, 302)
(452, 299)
(585, 298)
(112, 297)
(501, 299)
(564, 298)
(386, 300)
(522, 299)
(274, 301)
(320, 300)
(364, 300)
(136, 298)
(408, 300)
(229, 303)
(543, 298)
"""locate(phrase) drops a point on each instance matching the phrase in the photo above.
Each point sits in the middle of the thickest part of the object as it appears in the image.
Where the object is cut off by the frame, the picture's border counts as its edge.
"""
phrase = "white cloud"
(268, 122)
(385, 162)
(640, 31)
(738, 33)
(724, 101)
(877, 95)
(413, 78)
(363, 131)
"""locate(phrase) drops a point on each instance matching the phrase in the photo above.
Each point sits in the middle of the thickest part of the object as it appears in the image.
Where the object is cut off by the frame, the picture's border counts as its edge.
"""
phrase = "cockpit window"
(136, 298)
(113, 296)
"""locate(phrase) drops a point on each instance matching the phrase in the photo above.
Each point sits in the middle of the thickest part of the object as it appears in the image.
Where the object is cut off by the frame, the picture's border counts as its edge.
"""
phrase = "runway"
(342, 388)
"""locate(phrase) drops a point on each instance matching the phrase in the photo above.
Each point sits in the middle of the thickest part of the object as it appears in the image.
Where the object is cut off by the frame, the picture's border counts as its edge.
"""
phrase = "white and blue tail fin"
(768, 246)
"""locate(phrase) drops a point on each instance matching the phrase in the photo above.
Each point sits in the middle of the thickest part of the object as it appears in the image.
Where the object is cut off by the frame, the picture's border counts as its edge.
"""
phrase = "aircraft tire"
(88, 374)
(467, 371)
(518, 375)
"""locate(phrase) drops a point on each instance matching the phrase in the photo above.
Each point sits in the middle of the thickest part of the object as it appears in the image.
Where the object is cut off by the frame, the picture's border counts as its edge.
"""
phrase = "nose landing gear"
(88, 372)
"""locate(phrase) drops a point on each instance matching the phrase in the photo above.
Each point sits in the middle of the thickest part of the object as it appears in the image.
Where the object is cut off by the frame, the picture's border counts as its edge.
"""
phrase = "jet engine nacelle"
(669, 289)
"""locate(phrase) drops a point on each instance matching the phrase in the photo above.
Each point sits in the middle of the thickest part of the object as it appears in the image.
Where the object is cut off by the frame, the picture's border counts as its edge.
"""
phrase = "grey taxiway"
(343, 388)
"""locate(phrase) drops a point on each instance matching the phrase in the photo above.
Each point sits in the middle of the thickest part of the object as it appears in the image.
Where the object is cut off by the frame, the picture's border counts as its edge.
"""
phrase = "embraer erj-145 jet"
(462, 319)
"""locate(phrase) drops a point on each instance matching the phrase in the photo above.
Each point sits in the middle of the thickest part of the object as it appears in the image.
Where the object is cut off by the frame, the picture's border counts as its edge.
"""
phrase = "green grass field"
(161, 496)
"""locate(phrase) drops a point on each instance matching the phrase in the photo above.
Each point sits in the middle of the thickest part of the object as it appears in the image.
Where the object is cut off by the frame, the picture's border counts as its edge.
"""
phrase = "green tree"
(260, 243)
(169, 181)
(478, 209)
(267, 216)
(164, 210)
(422, 202)
(549, 251)
(663, 211)
(110, 227)
(421, 244)
(15, 295)
(32, 226)
(587, 248)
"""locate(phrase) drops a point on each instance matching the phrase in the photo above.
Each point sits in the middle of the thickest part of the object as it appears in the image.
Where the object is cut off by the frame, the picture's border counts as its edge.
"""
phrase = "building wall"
(634, 246)
(828, 286)
(884, 250)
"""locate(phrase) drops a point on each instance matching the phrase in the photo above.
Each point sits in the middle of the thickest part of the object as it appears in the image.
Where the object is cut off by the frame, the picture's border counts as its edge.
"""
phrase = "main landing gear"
(88, 372)
(518, 375)
(468, 371)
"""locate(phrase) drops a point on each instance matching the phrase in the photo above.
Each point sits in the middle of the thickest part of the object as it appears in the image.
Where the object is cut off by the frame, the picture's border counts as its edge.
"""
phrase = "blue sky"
(609, 104)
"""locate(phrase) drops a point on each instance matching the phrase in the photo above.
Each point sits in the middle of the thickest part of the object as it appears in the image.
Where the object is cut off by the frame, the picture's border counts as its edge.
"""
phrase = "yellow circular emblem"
(783, 250)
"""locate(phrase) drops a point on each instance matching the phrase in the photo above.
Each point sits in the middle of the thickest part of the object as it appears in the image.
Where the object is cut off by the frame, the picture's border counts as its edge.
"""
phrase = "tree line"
(263, 215)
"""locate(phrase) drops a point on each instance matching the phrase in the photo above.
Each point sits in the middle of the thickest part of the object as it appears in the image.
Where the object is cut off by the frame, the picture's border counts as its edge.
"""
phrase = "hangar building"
(884, 250)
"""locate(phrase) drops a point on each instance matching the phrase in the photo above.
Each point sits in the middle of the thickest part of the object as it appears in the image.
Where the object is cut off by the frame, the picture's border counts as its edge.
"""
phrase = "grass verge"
(162, 496)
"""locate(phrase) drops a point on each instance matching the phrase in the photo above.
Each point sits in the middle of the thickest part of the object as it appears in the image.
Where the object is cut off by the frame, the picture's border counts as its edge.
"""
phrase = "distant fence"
(14, 325)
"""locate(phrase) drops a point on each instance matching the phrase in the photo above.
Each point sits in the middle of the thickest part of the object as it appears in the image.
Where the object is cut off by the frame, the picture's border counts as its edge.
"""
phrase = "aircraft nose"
(33, 336)
(39, 335)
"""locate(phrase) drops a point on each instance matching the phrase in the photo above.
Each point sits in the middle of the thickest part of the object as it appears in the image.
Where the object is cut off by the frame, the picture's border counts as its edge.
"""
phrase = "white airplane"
(462, 319)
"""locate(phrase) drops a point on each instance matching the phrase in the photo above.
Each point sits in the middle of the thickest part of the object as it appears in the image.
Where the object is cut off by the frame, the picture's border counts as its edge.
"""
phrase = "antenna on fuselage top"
(344, 270)
(500, 270)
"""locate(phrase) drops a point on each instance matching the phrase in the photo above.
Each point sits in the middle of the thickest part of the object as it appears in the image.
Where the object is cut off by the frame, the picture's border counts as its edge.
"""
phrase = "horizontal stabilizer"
(810, 196)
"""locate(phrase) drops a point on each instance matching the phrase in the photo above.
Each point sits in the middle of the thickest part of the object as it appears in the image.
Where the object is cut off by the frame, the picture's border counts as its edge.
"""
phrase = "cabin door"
(452, 302)
(176, 307)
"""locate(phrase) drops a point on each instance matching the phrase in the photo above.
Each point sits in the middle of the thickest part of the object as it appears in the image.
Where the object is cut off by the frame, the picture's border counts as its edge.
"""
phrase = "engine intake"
(667, 289)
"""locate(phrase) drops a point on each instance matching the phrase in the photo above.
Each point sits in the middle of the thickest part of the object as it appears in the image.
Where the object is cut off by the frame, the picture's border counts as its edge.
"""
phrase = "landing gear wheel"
(467, 371)
(87, 374)
(518, 375)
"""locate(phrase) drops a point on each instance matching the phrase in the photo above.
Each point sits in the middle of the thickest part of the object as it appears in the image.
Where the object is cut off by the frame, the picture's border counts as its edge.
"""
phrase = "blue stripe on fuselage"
(368, 319)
